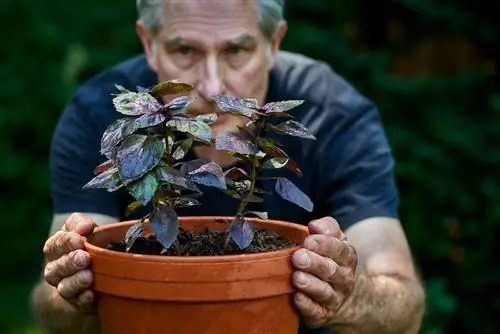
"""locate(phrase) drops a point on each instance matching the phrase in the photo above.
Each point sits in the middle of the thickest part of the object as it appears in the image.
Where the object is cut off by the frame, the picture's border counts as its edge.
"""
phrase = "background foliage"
(428, 64)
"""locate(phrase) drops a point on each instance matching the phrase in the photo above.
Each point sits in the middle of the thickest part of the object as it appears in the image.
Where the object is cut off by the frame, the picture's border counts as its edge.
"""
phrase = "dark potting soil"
(206, 243)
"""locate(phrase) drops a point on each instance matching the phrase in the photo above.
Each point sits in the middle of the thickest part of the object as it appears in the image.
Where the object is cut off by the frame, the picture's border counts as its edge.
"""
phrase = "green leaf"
(277, 162)
(170, 88)
(199, 130)
(132, 207)
(144, 189)
(290, 192)
(135, 104)
(165, 224)
(182, 149)
(137, 155)
(207, 118)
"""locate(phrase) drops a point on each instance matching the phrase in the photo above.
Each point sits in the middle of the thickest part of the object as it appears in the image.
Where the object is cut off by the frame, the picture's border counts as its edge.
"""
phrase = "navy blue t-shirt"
(347, 172)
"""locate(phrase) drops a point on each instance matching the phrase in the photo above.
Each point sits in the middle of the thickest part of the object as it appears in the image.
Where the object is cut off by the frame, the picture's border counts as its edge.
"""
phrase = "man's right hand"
(67, 263)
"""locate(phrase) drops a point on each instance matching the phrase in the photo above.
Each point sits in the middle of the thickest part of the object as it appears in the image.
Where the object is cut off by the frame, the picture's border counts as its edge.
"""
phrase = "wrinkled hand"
(67, 264)
(325, 272)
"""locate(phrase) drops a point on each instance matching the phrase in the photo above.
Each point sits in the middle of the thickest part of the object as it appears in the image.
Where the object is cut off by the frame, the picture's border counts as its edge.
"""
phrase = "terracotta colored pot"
(234, 294)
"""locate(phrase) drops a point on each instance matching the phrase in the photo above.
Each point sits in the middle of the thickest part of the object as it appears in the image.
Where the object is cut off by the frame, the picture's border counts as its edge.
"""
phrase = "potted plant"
(169, 274)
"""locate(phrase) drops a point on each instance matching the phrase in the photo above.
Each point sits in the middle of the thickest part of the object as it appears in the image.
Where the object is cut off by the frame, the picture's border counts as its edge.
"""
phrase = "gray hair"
(270, 14)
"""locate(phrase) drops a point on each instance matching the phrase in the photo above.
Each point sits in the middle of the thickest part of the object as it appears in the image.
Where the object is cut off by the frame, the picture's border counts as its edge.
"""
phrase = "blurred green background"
(429, 65)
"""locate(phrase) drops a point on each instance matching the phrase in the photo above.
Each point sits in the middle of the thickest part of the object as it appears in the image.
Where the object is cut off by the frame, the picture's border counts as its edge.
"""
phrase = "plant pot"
(233, 294)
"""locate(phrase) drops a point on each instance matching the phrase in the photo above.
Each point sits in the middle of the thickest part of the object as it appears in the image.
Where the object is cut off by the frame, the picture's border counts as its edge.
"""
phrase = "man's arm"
(54, 314)
(388, 296)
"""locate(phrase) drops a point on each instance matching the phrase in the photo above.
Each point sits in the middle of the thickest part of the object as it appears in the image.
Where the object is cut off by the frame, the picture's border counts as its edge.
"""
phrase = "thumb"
(79, 223)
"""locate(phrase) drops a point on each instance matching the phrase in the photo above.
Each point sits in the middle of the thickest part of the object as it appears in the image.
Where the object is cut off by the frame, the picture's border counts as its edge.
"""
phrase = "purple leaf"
(181, 102)
(236, 105)
(114, 134)
(134, 104)
(204, 172)
(149, 120)
(144, 189)
(170, 87)
(241, 232)
(207, 118)
(276, 162)
(109, 179)
(294, 128)
(165, 225)
(173, 176)
(234, 142)
(281, 106)
(290, 192)
(199, 130)
(137, 155)
(133, 233)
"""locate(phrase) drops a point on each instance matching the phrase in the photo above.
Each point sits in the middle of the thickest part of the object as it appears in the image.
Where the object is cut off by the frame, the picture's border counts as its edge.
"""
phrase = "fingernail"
(302, 279)
(302, 258)
(311, 244)
(80, 259)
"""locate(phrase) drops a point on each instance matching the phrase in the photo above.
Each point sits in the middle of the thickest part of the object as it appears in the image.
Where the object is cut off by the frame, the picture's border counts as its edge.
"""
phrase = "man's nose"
(211, 82)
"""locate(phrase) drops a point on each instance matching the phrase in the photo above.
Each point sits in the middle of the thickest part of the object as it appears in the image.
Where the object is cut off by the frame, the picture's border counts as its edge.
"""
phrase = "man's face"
(218, 47)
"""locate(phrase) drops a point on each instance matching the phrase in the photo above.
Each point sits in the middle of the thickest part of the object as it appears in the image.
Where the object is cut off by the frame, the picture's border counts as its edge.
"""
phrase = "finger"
(319, 291)
(86, 301)
(74, 285)
(324, 268)
(79, 223)
(62, 243)
(339, 251)
(66, 266)
(326, 226)
(314, 314)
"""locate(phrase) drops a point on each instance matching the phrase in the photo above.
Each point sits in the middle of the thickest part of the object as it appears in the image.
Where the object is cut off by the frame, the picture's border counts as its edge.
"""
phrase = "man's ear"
(147, 44)
(277, 39)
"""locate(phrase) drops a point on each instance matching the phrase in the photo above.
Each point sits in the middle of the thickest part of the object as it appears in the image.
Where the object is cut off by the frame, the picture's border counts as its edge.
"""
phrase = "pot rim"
(284, 252)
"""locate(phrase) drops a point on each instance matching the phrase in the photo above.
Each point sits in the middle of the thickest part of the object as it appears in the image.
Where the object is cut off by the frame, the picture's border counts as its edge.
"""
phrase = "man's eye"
(184, 50)
(234, 50)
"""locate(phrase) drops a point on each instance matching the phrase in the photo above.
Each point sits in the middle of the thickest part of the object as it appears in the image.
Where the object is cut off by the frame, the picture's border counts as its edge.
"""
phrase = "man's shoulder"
(297, 76)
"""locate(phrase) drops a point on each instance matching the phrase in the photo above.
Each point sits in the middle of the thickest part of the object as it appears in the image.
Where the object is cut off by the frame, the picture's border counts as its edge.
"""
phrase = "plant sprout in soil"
(144, 151)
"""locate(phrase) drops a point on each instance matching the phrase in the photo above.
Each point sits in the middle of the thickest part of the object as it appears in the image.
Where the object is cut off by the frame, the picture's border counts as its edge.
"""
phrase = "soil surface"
(206, 243)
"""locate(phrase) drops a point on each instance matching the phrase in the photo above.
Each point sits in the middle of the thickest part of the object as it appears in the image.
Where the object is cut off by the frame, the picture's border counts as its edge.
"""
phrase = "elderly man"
(354, 273)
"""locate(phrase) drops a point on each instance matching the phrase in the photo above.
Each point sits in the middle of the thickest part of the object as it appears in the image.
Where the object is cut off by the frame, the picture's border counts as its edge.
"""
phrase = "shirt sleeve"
(359, 166)
(74, 153)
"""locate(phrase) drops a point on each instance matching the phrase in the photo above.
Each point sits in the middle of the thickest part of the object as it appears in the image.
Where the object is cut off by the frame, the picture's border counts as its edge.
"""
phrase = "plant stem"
(261, 124)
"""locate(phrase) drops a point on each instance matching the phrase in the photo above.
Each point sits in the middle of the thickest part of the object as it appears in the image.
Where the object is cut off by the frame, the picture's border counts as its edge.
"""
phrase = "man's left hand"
(325, 272)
